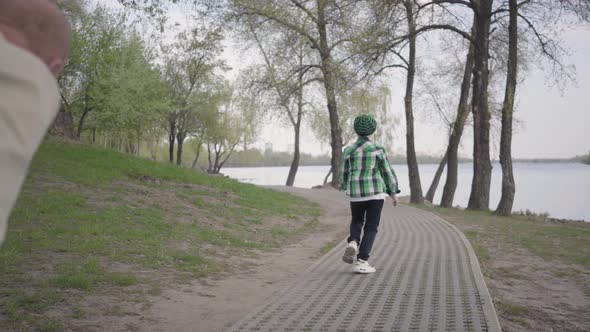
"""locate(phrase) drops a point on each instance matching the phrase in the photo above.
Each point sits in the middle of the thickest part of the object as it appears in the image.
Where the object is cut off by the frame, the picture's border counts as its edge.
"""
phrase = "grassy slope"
(564, 247)
(89, 218)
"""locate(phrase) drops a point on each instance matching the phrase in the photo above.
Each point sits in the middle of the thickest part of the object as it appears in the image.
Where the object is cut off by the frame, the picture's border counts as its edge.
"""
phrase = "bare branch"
(341, 41)
(305, 10)
(286, 24)
(398, 40)
(444, 27)
(439, 2)
(543, 41)
(401, 57)
(438, 106)
(505, 10)
(377, 72)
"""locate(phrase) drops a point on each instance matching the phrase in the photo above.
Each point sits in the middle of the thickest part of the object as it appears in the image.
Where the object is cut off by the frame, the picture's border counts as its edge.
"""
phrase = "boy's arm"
(389, 175)
(343, 173)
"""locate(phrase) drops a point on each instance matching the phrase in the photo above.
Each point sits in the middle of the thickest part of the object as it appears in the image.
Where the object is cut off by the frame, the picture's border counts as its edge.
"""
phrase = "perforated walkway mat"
(427, 279)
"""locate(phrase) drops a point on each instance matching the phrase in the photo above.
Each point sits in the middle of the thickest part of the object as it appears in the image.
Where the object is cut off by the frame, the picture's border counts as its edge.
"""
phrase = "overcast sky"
(552, 124)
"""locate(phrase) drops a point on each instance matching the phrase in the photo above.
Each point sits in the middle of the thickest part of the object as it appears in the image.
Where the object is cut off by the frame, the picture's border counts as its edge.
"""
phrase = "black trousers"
(365, 219)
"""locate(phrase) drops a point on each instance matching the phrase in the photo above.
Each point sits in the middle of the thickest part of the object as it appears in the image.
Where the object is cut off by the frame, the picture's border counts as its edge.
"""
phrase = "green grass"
(226, 208)
(75, 216)
(327, 247)
(513, 311)
(88, 274)
(568, 242)
(51, 324)
(565, 246)
(78, 312)
(84, 276)
(23, 307)
(94, 166)
(481, 252)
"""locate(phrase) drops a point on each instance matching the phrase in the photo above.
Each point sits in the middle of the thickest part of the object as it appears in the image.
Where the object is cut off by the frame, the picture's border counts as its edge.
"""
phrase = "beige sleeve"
(29, 100)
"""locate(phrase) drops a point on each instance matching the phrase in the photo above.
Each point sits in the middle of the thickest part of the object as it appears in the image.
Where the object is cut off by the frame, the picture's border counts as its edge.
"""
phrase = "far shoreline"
(537, 204)
(516, 161)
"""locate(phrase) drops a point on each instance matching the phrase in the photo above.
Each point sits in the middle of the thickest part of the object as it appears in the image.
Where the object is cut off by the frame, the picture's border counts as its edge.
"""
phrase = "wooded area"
(134, 82)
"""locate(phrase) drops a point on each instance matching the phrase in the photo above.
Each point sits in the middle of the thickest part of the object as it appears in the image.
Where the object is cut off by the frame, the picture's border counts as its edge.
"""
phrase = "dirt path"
(215, 304)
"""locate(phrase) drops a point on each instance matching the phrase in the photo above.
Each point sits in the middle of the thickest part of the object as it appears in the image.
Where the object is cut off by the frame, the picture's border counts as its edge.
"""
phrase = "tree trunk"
(199, 144)
(327, 72)
(229, 153)
(508, 186)
(180, 137)
(432, 190)
(210, 169)
(297, 127)
(455, 139)
(479, 198)
(327, 176)
(81, 121)
(217, 149)
(153, 150)
(171, 139)
(295, 161)
(130, 148)
(63, 125)
(414, 173)
(138, 139)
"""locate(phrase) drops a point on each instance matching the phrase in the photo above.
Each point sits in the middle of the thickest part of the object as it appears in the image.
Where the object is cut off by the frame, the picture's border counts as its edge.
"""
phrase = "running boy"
(368, 178)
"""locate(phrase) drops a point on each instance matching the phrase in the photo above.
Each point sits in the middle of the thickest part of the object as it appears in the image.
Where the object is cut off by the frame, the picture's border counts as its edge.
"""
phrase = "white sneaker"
(350, 252)
(362, 266)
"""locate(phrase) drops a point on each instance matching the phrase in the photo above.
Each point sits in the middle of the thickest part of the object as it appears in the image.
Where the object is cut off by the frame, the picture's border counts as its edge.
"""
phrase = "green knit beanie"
(364, 125)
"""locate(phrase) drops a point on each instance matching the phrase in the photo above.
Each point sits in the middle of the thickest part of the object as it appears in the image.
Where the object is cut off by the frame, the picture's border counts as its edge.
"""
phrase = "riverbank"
(537, 270)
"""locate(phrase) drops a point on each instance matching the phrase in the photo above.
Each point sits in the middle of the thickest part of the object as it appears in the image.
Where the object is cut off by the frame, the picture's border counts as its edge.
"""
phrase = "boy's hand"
(394, 199)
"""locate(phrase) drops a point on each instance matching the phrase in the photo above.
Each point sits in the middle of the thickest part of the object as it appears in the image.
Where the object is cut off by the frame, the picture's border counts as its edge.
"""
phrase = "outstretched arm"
(343, 174)
(389, 176)
(390, 179)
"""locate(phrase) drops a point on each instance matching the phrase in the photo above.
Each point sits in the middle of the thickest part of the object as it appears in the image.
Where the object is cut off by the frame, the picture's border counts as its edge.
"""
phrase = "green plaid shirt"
(366, 171)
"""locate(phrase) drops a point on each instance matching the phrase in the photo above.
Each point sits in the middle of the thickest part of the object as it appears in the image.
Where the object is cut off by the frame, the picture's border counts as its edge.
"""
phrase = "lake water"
(562, 190)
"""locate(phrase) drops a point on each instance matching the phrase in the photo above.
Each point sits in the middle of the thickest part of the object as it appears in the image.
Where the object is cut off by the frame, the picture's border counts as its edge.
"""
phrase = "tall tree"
(63, 125)
(479, 198)
(230, 121)
(327, 67)
(549, 12)
(393, 45)
(296, 122)
(96, 38)
(441, 97)
(283, 56)
(190, 63)
(457, 130)
(413, 171)
(132, 96)
(508, 185)
(543, 12)
(328, 35)
(436, 179)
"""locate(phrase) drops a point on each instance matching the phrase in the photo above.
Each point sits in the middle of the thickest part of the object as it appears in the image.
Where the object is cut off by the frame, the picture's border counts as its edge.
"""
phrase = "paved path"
(427, 279)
